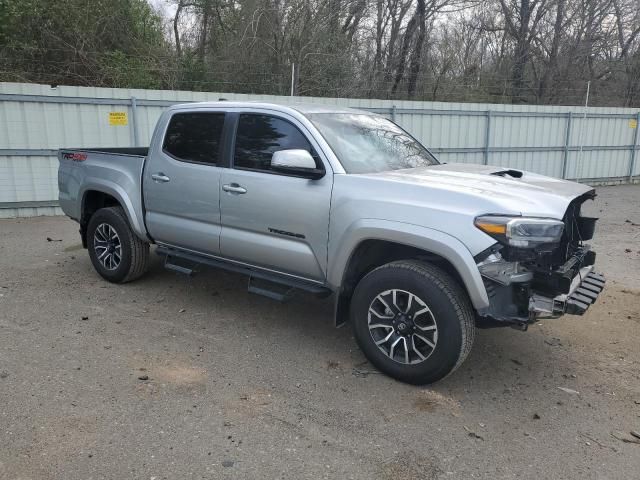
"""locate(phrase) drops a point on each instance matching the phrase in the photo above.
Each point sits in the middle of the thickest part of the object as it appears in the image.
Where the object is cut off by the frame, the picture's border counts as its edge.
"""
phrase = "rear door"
(181, 182)
(272, 220)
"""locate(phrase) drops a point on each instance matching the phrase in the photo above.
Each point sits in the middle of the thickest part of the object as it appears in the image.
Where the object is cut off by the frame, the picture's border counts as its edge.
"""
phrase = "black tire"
(134, 257)
(450, 311)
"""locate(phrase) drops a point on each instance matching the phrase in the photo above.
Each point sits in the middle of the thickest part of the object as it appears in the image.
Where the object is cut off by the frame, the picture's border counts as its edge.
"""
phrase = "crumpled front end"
(548, 281)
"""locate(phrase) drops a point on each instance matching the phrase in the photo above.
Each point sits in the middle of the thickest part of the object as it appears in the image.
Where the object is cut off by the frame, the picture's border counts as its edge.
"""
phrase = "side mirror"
(296, 162)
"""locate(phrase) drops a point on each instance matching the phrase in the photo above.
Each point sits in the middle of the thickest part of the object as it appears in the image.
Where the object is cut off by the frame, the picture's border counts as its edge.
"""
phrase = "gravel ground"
(242, 387)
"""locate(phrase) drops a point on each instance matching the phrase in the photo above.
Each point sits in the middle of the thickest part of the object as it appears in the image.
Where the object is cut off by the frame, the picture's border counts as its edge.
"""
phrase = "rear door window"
(195, 137)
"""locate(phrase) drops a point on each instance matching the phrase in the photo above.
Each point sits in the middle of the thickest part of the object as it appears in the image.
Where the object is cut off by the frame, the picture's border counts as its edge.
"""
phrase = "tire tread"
(454, 292)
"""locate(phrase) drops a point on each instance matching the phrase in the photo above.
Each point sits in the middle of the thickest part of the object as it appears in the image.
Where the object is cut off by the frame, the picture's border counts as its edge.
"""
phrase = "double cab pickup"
(416, 254)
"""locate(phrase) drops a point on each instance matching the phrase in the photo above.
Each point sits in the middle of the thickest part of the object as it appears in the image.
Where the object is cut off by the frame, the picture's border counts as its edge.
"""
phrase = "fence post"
(634, 149)
(393, 113)
(134, 122)
(487, 139)
(567, 140)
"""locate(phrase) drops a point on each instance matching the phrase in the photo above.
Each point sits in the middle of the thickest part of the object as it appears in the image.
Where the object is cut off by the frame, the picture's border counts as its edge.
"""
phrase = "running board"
(272, 290)
(254, 274)
(169, 265)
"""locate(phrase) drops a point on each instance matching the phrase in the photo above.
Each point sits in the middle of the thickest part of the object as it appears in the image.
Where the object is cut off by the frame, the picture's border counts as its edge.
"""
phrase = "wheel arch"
(371, 247)
(95, 197)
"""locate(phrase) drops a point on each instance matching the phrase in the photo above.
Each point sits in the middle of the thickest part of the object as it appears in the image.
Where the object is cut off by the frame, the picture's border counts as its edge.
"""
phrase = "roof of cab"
(303, 108)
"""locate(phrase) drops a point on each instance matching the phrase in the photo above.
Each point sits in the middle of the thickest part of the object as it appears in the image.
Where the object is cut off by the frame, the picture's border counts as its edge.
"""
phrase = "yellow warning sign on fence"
(633, 123)
(118, 118)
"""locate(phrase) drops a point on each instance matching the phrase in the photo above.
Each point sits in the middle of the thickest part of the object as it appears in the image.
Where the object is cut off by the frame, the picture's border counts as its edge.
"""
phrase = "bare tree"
(541, 51)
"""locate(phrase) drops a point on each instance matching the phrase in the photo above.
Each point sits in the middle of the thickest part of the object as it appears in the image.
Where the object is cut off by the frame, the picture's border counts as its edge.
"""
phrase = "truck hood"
(509, 191)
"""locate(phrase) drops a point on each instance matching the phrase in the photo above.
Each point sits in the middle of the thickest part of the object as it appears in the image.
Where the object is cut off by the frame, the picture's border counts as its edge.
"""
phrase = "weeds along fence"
(596, 146)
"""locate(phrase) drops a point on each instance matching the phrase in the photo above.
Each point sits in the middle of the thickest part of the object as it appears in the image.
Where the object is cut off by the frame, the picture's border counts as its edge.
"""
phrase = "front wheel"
(116, 253)
(413, 321)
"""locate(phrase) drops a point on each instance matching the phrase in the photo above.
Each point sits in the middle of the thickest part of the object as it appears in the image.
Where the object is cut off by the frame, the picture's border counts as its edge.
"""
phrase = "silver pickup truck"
(341, 202)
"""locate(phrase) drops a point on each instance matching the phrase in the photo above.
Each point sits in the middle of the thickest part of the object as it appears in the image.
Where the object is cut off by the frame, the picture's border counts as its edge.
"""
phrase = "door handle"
(160, 177)
(234, 188)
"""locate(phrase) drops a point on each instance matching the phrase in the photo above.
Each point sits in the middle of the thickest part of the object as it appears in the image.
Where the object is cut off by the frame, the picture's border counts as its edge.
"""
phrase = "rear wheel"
(116, 253)
(412, 321)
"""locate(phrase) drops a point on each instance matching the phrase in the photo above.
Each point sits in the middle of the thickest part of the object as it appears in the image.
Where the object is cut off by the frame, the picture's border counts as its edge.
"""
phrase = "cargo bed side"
(88, 178)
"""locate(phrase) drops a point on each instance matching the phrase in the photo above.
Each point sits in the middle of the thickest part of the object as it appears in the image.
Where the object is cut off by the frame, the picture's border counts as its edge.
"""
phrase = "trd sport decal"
(76, 157)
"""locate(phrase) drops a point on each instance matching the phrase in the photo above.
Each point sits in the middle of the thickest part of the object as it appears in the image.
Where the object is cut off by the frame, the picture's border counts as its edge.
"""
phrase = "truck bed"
(113, 171)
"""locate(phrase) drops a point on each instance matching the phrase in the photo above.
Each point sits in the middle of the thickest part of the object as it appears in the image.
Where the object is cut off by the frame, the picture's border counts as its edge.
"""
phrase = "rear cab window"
(195, 137)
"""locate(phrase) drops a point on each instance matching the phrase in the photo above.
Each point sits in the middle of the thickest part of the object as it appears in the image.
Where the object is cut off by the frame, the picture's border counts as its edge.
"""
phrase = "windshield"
(368, 143)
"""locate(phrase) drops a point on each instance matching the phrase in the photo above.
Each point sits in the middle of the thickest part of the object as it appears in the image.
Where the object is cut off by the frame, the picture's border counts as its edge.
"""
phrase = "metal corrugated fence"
(552, 140)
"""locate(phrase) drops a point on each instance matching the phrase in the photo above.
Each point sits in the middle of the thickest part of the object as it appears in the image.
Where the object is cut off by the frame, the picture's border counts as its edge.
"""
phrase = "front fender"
(428, 239)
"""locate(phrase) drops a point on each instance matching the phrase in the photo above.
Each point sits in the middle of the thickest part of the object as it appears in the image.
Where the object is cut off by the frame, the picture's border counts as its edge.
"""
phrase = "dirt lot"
(242, 387)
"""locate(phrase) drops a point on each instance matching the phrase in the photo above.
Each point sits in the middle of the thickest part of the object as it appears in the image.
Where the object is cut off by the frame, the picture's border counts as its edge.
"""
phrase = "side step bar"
(272, 290)
(262, 282)
(176, 268)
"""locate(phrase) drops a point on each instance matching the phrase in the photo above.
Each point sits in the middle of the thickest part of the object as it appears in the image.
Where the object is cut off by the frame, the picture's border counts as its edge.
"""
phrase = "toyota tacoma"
(416, 254)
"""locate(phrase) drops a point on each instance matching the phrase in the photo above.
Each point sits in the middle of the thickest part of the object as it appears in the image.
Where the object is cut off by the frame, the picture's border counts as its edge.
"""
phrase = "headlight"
(521, 232)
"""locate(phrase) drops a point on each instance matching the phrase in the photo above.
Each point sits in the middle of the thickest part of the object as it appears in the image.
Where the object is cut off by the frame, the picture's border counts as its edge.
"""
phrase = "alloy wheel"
(402, 326)
(107, 246)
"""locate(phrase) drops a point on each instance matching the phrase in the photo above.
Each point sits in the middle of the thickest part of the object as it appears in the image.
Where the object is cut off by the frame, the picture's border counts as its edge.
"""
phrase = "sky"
(168, 7)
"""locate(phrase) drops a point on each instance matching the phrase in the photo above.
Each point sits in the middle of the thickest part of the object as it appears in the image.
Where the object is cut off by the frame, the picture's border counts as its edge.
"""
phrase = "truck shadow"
(503, 361)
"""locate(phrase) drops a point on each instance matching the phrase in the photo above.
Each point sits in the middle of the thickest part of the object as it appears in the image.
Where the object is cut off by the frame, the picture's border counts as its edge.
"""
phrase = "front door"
(269, 219)
(181, 183)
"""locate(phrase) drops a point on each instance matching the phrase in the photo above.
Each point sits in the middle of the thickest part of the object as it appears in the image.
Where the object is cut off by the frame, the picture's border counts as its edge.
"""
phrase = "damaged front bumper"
(519, 296)
(584, 290)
